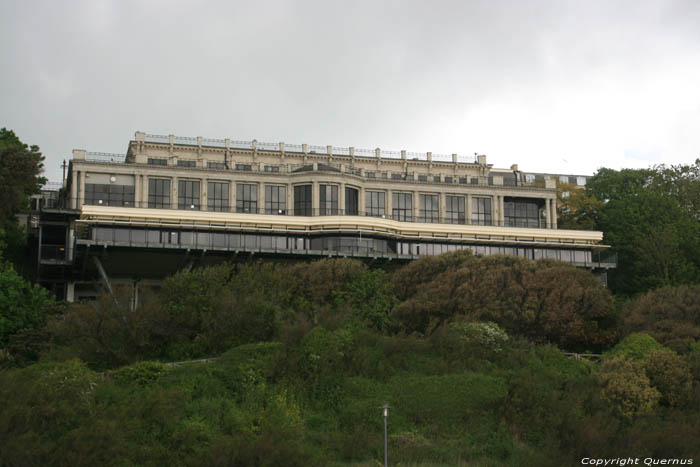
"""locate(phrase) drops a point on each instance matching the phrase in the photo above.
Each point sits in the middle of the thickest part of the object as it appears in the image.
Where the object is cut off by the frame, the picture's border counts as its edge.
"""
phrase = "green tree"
(625, 385)
(22, 304)
(650, 218)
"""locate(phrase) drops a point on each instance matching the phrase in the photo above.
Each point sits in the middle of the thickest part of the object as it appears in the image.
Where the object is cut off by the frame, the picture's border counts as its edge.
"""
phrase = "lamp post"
(385, 411)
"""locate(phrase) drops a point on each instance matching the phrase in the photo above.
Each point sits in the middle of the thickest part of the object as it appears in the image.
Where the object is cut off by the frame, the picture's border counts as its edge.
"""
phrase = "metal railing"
(247, 207)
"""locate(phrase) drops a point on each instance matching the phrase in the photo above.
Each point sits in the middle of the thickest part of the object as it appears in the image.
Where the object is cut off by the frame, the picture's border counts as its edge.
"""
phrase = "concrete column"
(74, 190)
(204, 196)
(70, 292)
(232, 196)
(261, 197)
(468, 207)
(502, 211)
(496, 205)
(443, 206)
(144, 191)
(388, 203)
(361, 207)
(137, 191)
(554, 213)
(315, 198)
(341, 198)
(290, 198)
(173, 192)
(416, 206)
(81, 188)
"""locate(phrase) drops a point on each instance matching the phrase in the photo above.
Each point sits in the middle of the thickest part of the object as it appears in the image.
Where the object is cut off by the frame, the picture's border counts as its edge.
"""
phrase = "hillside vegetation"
(467, 351)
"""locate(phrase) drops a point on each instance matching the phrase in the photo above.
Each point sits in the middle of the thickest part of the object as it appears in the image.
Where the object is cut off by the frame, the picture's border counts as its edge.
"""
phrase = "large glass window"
(158, 193)
(275, 199)
(455, 211)
(217, 196)
(247, 198)
(156, 161)
(351, 203)
(402, 206)
(481, 211)
(188, 194)
(109, 194)
(302, 200)
(329, 200)
(522, 212)
(429, 208)
(186, 163)
(375, 203)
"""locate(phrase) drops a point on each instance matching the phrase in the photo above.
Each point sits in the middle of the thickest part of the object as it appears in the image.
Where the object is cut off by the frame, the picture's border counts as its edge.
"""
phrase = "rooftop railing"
(310, 149)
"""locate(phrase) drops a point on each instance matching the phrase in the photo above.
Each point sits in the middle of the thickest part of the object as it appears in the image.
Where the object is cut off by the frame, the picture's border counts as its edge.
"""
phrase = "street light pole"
(385, 409)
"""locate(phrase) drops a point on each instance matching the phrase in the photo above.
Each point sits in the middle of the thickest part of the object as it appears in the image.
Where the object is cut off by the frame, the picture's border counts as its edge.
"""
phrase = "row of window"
(341, 244)
(519, 212)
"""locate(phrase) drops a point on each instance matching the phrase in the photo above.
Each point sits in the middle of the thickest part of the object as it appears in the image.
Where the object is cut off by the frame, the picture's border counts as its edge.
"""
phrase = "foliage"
(635, 347)
(545, 301)
(370, 297)
(670, 375)
(626, 386)
(22, 304)
(651, 219)
(20, 169)
(671, 315)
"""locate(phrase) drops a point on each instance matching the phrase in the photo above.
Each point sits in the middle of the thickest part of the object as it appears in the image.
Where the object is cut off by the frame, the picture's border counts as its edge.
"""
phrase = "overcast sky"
(555, 86)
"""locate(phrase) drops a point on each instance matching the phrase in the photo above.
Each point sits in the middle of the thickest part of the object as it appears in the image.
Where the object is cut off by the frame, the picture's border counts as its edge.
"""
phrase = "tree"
(22, 304)
(671, 315)
(645, 218)
(545, 301)
(20, 169)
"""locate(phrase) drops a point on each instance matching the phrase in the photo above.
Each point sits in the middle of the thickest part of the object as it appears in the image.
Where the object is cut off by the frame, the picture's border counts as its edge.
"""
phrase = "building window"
(351, 201)
(521, 212)
(402, 206)
(395, 176)
(329, 200)
(275, 199)
(216, 165)
(429, 208)
(463, 180)
(155, 161)
(481, 211)
(448, 180)
(436, 178)
(109, 195)
(529, 178)
(186, 163)
(217, 196)
(581, 181)
(456, 213)
(247, 198)
(272, 168)
(474, 181)
(370, 174)
(302, 200)
(563, 179)
(158, 193)
(375, 203)
(188, 194)
(422, 178)
(244, 167)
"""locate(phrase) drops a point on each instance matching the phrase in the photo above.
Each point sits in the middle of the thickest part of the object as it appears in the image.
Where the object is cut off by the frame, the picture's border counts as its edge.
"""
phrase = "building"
(172, 203)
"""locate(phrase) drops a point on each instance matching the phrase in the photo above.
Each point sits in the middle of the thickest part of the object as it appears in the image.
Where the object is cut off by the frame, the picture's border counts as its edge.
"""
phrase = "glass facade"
(218, 196)
(429, 208)
(109, 194)
(188, 194)
(375, 203)
(247, 198)
(402, 206)
(159, 193)
(325, 243)
(275, 199)
(328, 200)
(351, 201)
(522, 212)
(455, 211)
(302, 200)
(481, 211)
